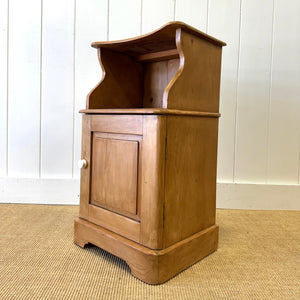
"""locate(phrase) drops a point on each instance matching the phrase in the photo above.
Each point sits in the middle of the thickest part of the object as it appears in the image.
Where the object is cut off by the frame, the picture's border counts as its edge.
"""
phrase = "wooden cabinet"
(149, 152)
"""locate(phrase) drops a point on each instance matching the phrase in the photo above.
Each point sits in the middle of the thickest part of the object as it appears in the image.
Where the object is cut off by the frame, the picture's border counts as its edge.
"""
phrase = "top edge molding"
(168, 30)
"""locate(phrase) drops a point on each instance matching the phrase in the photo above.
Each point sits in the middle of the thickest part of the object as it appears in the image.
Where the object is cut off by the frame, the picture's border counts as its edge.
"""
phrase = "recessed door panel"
(114, 180)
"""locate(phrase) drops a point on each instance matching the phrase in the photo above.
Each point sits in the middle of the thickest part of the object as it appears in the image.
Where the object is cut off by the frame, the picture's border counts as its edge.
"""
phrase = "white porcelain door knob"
(82, 164)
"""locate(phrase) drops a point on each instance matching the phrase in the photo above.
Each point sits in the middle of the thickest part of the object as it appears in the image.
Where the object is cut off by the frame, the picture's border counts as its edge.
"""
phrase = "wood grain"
(85, 172)
(115, 174)
(113, 214)
(122, 225)
(157, 76)
(198, 78)
(153, 169)
(150, 266)
(179, 256)
(117, 124)
(88, 211)
(190, 176)
(157, 56)
(122, 75)
(152, 182)
(155, 81)
(146, 72)
(149, 111)
(158, 40)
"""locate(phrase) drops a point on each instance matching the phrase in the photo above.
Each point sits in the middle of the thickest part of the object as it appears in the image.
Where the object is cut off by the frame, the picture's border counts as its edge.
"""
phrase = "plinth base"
(150, 266)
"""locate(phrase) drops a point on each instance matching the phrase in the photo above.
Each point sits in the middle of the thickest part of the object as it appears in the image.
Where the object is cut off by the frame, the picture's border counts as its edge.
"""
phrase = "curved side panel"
(179, 71)
(196, 85)
(121, 83)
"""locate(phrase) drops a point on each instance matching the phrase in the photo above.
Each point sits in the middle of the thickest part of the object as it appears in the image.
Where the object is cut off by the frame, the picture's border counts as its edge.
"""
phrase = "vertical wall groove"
(174, 10)
(207, 15)
(141, 18)
(299, 155)
(270, 97)
(74, 82)
(237, 95)
(108, 20)
(299, 160)
(7, 78)
(41, 103)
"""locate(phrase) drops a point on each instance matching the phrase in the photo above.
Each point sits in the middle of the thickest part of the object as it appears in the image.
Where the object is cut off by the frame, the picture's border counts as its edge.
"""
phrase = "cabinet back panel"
(157, 76)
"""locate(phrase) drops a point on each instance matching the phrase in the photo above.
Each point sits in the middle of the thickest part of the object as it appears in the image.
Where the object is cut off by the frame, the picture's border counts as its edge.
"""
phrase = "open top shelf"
(174, 67)
(158, 40)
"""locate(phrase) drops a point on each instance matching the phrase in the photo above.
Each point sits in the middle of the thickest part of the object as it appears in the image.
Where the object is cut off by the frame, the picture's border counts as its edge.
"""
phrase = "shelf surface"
(159, 40)
(150, 111)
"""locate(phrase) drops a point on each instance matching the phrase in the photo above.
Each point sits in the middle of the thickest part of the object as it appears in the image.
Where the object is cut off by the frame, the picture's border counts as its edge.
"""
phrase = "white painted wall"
(47, 67)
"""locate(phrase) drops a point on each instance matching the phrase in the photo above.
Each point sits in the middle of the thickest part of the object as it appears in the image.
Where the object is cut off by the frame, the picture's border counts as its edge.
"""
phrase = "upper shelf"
(157, 40)
(174, 67)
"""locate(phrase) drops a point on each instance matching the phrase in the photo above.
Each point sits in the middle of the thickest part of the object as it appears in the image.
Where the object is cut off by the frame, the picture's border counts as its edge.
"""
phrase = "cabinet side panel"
(152, 183)
(190, 180)
(197, 86)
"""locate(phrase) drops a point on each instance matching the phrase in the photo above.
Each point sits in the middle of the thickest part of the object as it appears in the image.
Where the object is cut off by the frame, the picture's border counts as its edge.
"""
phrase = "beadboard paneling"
(47, 68)
(124, 19)
(253, 96)
(3, 84)
(24, 52)
(57, 89)
(193, 12)
(87, 69)
(284, 119)
(224, 23)
(155, 13)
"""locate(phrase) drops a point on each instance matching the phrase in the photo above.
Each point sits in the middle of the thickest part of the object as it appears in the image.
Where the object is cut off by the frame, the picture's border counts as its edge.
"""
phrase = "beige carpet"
(258, 258)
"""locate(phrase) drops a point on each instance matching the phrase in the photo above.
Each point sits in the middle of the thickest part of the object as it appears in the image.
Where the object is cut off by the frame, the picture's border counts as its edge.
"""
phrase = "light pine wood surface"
(114, 173)
(190, 176)
(148, 192)
(150, 266)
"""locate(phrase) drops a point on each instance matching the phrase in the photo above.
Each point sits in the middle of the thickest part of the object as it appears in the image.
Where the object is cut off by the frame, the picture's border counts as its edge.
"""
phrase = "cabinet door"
(122, 187)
